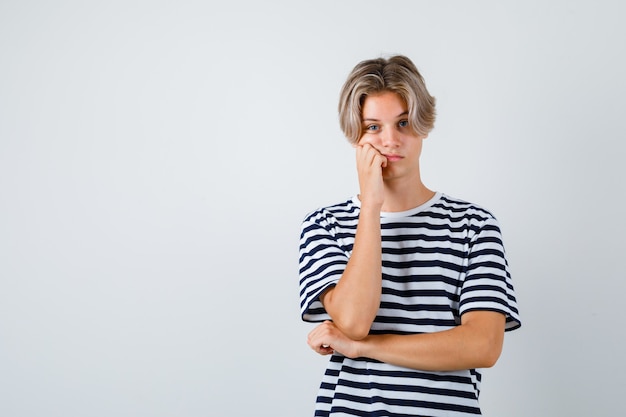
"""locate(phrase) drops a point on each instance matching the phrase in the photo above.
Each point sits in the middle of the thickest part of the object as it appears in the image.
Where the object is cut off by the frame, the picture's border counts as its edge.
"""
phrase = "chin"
(390, 171)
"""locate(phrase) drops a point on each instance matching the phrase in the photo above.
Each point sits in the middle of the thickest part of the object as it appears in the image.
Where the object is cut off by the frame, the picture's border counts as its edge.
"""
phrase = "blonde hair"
(396, 74)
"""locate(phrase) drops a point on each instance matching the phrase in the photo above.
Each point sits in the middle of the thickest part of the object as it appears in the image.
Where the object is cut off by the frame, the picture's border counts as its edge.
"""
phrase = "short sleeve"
(321, 264)
(488, 284)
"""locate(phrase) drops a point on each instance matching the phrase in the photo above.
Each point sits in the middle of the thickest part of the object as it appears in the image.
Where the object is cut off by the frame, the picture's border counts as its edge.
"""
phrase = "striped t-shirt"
(439, 260)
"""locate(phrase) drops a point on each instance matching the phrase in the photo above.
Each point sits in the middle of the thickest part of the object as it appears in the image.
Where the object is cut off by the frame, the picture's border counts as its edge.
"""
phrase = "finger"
(315, 341)
(319, 347)
(368, 156)
(326, 351)
(375, 157)
(318, 329)
(318, 338)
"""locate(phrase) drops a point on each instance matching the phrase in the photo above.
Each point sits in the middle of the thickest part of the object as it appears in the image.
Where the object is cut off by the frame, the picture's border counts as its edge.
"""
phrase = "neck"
(402, 196)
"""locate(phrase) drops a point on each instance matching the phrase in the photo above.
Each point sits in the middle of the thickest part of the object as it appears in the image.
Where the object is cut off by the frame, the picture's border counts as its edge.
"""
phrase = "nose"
(391, 138)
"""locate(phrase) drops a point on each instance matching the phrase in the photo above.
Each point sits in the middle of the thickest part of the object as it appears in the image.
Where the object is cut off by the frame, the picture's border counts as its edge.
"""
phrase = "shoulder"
(330, 225)
(458, 207)
(347, 209)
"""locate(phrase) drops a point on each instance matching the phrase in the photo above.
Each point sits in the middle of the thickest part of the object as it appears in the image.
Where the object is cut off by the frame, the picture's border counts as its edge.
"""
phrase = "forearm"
(353, 303)
(475, 344)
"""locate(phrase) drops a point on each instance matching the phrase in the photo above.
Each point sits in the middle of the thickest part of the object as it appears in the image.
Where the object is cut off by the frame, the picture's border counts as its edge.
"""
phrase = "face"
(386, 128)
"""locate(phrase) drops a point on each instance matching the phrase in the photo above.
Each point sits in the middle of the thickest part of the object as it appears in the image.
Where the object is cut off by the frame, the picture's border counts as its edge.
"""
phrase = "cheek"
(366, 139)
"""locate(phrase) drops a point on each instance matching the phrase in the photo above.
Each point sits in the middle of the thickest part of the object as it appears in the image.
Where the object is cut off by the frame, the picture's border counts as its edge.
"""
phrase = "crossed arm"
(475, 343)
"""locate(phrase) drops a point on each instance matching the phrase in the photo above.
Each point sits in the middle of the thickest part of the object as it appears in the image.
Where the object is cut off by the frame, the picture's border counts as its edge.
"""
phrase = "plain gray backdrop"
(156, 159)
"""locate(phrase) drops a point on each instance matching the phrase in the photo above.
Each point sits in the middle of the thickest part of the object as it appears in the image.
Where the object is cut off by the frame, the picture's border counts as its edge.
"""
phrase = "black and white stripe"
(439, 260)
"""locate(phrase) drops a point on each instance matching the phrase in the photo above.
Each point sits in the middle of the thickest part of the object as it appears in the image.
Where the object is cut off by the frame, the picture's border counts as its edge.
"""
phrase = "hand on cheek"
(370, 163)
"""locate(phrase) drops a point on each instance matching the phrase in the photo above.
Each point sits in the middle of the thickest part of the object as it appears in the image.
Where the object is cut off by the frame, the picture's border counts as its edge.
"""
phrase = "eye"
(403, 123)
(371, 128)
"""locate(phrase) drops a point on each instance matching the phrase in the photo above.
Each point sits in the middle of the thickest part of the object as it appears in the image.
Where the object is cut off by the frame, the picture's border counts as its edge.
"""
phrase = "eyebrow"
(406, 113)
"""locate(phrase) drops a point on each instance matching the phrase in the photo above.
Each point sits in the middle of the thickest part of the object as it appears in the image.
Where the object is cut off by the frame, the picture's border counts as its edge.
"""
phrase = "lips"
(393, 158)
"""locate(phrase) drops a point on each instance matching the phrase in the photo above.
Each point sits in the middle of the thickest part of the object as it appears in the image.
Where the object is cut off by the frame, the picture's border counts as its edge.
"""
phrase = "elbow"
(355, 329)
(358, 334)
(490, 359)
(353, 323)
(490, 355)
(486, 332)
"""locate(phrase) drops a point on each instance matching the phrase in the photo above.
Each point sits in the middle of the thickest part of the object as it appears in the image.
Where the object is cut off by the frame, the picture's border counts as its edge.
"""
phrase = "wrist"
(370, 208)
(375, 203)
(361, 348)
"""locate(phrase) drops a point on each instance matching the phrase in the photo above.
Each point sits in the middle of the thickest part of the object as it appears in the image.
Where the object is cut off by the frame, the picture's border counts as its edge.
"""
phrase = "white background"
(156, 159)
